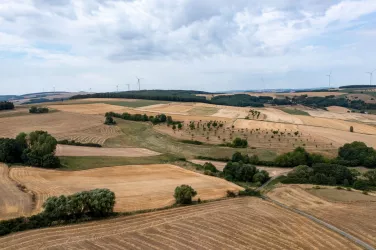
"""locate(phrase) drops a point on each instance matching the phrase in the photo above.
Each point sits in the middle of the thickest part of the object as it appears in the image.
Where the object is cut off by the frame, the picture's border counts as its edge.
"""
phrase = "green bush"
(210, 167)
(249, 192)
(361, 185)
(357, 153)
(6, 105)
(238, 171)
(184, 194)
(74, 143)
(192, 142)
(38, 110)
(109, 121)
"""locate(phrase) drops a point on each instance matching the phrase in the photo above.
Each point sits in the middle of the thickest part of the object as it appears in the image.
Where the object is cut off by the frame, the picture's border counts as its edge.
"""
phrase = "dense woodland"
(240, 100)
(6, 105)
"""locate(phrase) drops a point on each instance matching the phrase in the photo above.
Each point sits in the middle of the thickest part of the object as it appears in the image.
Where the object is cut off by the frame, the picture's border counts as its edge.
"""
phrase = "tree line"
(82, 206)
(161, 118)
(36, 149)
(5, 105)
(240, 100)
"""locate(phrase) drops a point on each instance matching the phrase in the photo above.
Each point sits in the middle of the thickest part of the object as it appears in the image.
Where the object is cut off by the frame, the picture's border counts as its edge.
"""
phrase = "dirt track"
(136, 187)
(241, 223)
(66, 150)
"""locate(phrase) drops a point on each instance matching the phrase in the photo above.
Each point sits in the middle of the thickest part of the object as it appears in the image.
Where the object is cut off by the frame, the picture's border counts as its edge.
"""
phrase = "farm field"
(13, 201)
(143, 135)
(235, 223)
(137, 187)
(66, 150)
(347, 211)
(62, 125)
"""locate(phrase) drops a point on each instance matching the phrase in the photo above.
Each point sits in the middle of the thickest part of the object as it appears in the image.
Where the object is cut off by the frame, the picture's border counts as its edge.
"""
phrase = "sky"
(208, 45)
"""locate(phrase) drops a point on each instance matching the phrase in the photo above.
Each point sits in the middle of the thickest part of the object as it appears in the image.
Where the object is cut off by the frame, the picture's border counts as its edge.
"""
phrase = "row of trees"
(161, 118)
(321, 174)
(239, 171)
(81, 206)
(6, 105)
(76, 143)
(38, 110)
(35, 149)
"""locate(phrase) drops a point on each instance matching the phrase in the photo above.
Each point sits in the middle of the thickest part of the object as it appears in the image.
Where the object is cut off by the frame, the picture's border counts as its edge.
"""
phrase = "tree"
(184, 194)
(174, 127)
(360, 185)
(41, 150)
(180, 126)
(109, 121)
(371, 177)
(351, 129)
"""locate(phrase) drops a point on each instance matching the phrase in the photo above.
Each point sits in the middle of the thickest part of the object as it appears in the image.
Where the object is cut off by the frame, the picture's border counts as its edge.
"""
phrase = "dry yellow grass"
(171, 108)
(136, 187)
(62, 125)
(353, 216)
(90, 109)
(66, 150)
(243, 223)
(13, 201)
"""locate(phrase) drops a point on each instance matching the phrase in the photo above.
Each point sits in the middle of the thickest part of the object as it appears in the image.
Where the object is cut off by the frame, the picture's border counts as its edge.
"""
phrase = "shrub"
(74, 143)
(365, 192)
(351, 129)
(6, 105)
(38, 110)
(360, 185)
(210, 167)
(371, 177)
(249, 192)
(231, 194)
(238, 171)
(192, 142)
(357, 153)
(184, 194)
(109, 121)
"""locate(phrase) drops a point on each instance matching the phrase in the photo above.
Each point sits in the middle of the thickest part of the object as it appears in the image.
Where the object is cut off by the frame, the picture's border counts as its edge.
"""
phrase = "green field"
(89, 162)
(139, 134)
(135, 104)
(203, 111)
(295, 111)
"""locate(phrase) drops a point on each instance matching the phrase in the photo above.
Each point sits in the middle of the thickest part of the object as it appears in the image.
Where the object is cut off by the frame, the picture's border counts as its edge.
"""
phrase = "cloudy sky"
(212, 45)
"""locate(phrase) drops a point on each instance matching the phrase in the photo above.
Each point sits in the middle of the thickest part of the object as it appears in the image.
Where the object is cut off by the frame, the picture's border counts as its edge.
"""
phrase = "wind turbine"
(129, 87)
(139, 82)
(370, 76)
(330, 76)
(117, 88)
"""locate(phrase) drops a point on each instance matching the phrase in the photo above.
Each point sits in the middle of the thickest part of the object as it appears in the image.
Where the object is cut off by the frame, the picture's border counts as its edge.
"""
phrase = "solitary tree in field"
(184, 194)
(351, 129)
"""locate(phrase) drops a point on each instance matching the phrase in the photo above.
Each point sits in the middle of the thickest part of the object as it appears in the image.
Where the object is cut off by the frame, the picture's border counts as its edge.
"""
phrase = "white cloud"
(110, 39)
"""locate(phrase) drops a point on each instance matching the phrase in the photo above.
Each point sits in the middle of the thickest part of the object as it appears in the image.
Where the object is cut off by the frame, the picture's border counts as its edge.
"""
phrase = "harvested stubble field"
(67, 150)
(137, 187)
(352, 215)
(62, 125)
(13, 201)
(241, 223)
(273, 171)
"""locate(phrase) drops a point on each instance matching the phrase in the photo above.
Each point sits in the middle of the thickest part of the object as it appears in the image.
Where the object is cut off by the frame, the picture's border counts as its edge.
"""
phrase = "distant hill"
(358, 87)
(39, 97)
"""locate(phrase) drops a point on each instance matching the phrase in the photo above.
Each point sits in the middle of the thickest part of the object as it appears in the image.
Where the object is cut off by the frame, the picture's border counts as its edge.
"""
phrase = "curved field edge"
(354, 217)
(13, 201)
(136, 187)
(233, 223)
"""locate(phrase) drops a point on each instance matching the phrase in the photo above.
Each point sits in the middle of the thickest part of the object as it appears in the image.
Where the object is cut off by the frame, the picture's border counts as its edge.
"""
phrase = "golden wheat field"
(66, 150)
(352, 215)
(241, 223)
(13, 201)
(62, 125)
(136, 187)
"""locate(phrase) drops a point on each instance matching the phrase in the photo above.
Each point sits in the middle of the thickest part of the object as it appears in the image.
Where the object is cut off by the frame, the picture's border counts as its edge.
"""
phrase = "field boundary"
(323, 223)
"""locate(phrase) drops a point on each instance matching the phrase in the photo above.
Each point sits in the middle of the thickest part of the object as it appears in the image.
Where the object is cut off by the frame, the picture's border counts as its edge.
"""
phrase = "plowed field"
(356, 217)
(243, 223)
(136, 187)
(13, 202)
